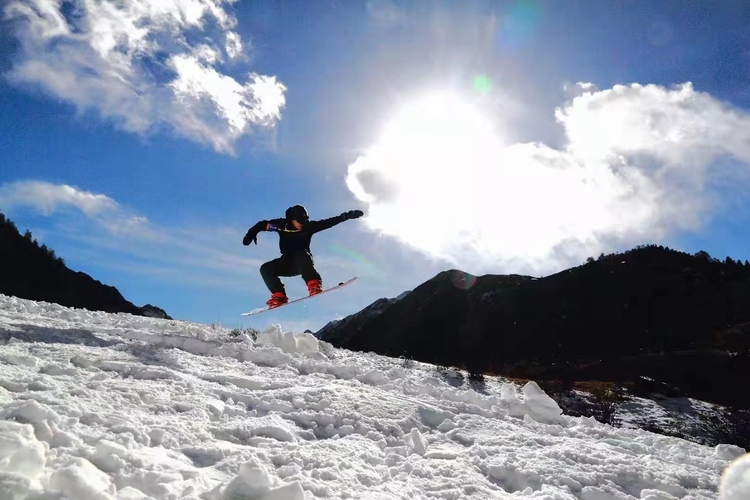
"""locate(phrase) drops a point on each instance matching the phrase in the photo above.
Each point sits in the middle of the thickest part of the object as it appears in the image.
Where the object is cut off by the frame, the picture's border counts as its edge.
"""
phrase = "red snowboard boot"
(314, 287)
(277, 299)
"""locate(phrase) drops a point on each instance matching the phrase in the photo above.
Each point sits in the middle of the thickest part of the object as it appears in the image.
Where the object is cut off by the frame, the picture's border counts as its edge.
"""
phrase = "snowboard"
(264, 309)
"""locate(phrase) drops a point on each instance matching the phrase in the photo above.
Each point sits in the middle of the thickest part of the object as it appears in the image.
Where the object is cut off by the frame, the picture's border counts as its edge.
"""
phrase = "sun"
(437, 124)
(425, 147)
(430, 140)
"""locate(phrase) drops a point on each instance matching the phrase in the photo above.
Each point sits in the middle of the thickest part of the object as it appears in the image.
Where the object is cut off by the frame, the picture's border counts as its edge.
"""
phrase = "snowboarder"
(295, 233)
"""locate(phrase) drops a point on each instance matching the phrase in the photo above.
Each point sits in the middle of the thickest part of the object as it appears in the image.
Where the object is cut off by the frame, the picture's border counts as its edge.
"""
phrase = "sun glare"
(634, 167)
(441, 180)
(437, 124)
(418, 158)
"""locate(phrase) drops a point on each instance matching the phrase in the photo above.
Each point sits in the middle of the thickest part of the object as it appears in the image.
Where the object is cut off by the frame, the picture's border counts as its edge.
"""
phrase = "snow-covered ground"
(685, 417)
(113, 406)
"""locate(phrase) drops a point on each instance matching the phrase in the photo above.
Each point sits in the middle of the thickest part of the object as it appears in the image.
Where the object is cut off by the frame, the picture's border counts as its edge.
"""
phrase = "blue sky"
(494, 137)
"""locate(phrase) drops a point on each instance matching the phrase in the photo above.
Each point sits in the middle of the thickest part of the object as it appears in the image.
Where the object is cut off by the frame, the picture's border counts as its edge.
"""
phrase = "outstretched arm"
(264, 225)
(322, 225)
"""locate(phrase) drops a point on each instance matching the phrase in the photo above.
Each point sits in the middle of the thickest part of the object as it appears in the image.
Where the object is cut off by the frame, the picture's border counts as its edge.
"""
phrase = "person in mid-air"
(295, 233)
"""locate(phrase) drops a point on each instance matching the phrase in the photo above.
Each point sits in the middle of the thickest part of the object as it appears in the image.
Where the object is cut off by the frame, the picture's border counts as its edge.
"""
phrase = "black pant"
(300, 263)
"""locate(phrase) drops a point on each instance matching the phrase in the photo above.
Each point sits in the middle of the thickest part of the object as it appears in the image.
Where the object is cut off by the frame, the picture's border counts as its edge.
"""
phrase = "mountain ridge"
(33, 271)
(647, 311)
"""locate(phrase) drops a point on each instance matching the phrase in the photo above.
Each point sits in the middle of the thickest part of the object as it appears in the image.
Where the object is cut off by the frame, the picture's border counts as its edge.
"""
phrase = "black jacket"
(292, 240)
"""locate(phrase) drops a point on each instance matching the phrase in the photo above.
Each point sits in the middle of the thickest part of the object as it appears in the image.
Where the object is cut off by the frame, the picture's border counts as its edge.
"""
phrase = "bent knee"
(266, 268)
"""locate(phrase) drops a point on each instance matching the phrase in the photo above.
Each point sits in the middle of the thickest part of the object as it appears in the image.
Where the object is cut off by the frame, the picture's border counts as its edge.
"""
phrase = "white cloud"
(681, 128)
(637, 167)
(136, 63)
(578, 88)
(48, 198)
(233, 45)
(115, 237)
(200, 89)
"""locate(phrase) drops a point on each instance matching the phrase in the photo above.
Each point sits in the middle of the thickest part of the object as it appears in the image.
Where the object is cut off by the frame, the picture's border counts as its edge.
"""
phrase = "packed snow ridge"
(113, 406)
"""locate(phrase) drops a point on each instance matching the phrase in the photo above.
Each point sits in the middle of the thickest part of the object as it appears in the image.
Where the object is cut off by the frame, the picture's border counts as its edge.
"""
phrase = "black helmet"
(298, 213)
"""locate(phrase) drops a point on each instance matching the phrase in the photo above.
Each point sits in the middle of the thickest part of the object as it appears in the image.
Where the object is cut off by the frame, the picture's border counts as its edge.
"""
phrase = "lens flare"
(463, 280)
(364, 265)
(517, 24)
(482, 84)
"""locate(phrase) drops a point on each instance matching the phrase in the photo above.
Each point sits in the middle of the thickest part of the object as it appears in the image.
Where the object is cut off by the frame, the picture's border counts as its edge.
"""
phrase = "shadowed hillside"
(32, 271)
(650, 311)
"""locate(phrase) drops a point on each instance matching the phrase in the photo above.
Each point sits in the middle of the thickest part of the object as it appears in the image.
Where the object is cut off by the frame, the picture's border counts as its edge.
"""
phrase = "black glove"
(250, 237)
(352, 214)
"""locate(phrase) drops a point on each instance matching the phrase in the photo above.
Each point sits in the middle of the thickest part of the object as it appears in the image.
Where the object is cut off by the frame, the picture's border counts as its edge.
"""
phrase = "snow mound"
(288, 341)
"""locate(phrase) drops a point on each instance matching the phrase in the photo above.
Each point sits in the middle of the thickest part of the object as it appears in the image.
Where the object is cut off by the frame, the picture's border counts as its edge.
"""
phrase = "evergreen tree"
(703, 255)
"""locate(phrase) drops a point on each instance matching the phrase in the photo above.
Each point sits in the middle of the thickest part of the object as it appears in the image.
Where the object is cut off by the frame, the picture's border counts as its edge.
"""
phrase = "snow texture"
(119, 407)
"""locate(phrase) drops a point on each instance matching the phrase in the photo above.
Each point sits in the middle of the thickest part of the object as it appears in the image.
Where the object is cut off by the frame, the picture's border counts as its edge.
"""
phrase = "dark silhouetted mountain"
(32, 271)
(650, 311)
(354, 322)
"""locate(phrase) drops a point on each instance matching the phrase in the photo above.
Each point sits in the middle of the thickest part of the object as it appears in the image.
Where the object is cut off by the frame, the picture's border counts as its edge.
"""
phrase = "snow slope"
(113, 406)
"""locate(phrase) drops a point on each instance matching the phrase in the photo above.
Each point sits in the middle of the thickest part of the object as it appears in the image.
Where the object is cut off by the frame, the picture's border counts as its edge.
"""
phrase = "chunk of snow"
(373, 377)
(537, 404)
(417, 442)
(440, 453)
(81, 479)
(288, 341)
(289, 491)
(20, 451)
(434, 416)
(649, 494)
(446, 425)
(275, 432)
(254, 482)
(130, 493)
(540, 406)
